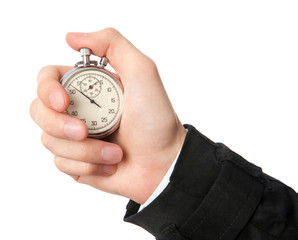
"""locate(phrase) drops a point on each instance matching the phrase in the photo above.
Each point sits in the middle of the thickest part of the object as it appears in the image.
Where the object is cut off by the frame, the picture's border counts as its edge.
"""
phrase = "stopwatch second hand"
(91, 100)
(91, 86)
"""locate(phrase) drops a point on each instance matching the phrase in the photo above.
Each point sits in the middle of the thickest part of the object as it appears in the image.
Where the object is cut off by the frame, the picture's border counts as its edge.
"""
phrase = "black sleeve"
(216, 194)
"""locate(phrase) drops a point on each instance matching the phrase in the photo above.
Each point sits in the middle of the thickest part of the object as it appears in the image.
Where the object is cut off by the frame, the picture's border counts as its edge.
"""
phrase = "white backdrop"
(230, 69)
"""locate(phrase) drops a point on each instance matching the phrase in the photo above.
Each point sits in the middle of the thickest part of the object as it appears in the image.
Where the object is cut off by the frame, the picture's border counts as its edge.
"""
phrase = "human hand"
(133, 160)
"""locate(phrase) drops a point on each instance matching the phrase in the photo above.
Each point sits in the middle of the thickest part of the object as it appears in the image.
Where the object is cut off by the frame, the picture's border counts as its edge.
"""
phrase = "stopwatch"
(95, 95)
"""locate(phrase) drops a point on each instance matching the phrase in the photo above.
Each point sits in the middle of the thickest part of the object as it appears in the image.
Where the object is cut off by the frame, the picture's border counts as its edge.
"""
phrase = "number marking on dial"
(95, 99)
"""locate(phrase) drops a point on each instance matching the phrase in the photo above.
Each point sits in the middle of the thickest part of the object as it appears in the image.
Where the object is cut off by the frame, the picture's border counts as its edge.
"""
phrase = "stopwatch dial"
(91, 86)
(96, 99)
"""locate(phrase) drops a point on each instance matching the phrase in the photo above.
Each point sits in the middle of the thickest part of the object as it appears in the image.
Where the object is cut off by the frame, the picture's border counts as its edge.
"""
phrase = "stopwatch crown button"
(103, 62)
(85, 52)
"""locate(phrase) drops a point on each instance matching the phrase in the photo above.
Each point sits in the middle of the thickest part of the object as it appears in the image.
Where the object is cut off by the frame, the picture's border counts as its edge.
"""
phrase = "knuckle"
(90, 151)
(84, 151)
(48, 142)
(60, 164)
(32, 109)
(90, 169)
(151, 65)
(148, 66)
(43, 70)
(45, 140)
(111, 32)
(48, 125)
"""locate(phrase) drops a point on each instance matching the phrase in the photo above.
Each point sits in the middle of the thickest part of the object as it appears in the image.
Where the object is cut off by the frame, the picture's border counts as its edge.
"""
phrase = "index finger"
(49, 90)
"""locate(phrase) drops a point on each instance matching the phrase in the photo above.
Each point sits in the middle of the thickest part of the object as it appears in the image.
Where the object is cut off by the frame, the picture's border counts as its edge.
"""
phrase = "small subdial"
(91, 86)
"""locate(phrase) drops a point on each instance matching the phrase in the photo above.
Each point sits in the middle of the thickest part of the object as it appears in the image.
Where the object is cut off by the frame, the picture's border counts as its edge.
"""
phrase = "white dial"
(95, 98)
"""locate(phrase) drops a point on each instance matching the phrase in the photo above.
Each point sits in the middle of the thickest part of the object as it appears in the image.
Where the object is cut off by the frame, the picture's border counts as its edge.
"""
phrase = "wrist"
(162, 185)
(161, 172)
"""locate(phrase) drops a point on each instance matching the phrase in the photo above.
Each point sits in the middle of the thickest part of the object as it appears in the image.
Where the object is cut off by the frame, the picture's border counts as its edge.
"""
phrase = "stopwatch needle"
(91, 86)
(91, 100)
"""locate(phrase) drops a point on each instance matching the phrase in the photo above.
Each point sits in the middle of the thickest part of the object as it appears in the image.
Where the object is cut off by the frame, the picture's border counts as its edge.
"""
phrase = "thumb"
(123, 56)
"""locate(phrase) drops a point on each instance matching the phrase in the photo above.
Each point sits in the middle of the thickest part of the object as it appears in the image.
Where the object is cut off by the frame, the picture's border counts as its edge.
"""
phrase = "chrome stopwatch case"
(95, 94)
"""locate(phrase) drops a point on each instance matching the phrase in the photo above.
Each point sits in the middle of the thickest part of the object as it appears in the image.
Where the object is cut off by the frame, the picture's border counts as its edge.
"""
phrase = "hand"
(133, 160)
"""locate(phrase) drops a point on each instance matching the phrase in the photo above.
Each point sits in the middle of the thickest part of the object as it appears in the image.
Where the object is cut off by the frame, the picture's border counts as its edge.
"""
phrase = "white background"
(230, 69)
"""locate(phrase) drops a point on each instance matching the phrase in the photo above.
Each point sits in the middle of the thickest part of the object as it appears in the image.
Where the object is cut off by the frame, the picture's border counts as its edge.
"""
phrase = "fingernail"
(111, 154)
(57, 101)
(109, 169)
(74, 130)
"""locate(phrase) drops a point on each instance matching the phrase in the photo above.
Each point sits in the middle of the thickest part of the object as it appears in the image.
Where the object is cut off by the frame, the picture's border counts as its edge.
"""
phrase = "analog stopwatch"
(95, 94)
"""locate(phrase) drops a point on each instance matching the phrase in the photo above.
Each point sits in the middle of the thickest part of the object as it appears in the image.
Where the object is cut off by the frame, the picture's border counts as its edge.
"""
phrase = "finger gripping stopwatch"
(95, 94)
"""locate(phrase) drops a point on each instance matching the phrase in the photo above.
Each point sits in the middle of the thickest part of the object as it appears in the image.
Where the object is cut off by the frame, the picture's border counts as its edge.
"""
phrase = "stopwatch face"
(96, 98)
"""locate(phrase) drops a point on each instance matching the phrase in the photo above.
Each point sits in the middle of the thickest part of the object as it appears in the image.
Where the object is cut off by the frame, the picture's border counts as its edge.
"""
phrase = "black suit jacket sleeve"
(215, 194)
